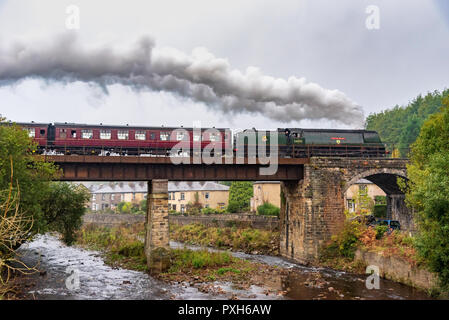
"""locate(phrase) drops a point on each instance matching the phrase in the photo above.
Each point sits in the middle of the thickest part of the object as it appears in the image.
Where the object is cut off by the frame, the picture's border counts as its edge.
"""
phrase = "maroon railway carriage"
(72, 138)
(37, 131)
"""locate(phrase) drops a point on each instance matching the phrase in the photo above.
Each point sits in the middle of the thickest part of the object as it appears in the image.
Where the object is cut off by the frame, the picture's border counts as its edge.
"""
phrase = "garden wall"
(222, 220)
(398, 270)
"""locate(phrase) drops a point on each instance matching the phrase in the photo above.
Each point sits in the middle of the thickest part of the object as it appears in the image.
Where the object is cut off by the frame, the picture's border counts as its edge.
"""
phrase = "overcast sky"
(325, 41)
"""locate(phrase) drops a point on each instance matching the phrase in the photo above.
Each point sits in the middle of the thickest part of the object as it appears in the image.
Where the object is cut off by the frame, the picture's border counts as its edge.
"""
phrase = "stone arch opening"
(386, 180)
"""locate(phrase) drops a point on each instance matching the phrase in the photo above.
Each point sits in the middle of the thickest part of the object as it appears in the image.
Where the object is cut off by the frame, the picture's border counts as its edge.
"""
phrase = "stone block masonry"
(157, 235)
(312, 209)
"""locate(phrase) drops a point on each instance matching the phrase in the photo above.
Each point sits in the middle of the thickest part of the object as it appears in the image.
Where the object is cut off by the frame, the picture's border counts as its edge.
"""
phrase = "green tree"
(32, 174)
(399, 127)
(65, 205)
(143, 205)
(240, 194)
(124, 207)
(428, 192)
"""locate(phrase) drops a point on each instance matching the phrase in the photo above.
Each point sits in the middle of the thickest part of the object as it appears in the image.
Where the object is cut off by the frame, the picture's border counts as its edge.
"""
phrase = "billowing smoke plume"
(199, 76)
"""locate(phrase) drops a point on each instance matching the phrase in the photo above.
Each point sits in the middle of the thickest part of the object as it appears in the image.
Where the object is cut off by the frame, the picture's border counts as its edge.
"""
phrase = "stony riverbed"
(100, 281)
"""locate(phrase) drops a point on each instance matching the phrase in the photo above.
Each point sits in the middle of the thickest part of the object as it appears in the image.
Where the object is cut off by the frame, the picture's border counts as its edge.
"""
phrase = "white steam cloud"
(200, 76)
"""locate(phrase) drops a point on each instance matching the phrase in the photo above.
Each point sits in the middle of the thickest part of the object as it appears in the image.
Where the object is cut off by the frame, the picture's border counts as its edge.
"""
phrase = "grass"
(122, 246)
(241, 239)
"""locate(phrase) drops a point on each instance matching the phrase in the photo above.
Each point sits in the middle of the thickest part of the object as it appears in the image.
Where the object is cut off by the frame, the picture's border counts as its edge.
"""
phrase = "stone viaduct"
(312, 209)
(312, 193)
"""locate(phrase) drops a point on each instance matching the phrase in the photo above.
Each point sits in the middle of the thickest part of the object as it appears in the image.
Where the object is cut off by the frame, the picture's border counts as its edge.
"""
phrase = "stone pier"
(157, 226)
(312, 209)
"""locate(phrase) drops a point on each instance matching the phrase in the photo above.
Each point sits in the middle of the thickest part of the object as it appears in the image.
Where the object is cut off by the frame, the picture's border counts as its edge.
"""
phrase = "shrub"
(209, 211)
(267, 209)
(380, 231)
(233, 207)
(380, 210)
(345, 243)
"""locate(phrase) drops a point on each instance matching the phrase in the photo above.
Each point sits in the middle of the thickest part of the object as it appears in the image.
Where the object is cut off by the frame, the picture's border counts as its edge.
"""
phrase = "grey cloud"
(200, 76)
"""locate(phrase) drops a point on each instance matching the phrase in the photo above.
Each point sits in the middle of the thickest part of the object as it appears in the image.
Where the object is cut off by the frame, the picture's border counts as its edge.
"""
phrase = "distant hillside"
(399, 127)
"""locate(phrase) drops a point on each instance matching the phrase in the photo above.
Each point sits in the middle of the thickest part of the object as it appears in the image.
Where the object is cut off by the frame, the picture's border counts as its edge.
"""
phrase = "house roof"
(141, 187)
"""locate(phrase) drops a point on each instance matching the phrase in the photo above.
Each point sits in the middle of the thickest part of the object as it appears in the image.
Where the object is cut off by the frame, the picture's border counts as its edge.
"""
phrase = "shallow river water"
(99, 281)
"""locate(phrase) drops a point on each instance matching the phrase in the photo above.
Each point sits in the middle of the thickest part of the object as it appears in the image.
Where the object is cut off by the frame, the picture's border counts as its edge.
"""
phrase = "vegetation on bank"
(30, 202)
(124, 247)
(238, 239)
(340, 251)
(427, 192)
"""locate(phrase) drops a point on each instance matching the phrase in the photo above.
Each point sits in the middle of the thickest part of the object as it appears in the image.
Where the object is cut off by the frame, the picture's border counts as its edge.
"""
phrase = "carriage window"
(180, 136)
(196, 137)
(105, 134)
(31, 132)
(214, 137)
(164, 136)
(123, 135)
(73, 133)
(152, 136)
(42, 132)
(140, 135)
(87, 134)
(62, 133)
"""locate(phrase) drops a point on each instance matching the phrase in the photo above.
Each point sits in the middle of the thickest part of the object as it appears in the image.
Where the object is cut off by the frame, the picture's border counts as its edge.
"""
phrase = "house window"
(351, 205)
(105, 134)
(62, 133)
(87, 134)
(363, 189)
(173, 196)
(183, 208)
(207, 206)
(94, 197)
(174, 207)
(206, 195)
(182, 196)
(169, 196)
(140, 135)
(112, 196)
(134, 196)
(103, 197)
(123, 135)
(94, 207)
(164, 136)
(31, 132)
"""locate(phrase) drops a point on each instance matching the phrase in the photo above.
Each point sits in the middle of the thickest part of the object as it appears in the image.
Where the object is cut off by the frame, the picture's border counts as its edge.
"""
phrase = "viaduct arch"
(312, 209)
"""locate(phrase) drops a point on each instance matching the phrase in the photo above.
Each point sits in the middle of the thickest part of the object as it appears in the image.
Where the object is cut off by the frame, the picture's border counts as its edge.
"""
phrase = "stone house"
(266, 191)
(108, 196)
(362, 186)
(209, 195)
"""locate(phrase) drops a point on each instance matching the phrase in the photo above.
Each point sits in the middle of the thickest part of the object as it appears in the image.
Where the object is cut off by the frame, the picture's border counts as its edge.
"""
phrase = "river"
(102, 282)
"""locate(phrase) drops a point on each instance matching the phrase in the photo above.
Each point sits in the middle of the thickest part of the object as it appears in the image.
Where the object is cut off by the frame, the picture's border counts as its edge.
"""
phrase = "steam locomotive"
(84, 139)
